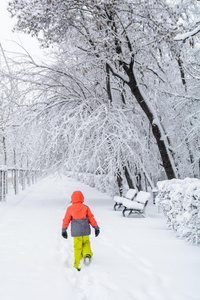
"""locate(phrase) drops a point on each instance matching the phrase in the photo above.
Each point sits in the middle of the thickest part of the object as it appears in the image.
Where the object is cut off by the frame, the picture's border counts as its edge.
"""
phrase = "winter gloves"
(97, 231)
(64, 233)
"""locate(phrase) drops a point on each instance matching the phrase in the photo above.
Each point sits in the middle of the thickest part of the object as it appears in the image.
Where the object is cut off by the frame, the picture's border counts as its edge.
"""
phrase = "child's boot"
(87, 259)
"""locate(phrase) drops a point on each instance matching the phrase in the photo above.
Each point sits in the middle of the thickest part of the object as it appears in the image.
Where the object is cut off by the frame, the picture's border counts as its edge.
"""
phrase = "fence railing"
(15, 178)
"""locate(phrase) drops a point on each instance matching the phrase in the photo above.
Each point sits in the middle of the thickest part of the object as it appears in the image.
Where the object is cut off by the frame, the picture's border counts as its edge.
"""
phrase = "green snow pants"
(81, 249)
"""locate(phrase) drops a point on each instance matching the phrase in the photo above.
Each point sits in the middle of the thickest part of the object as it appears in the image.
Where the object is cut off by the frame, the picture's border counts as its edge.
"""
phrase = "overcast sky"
(9, 40)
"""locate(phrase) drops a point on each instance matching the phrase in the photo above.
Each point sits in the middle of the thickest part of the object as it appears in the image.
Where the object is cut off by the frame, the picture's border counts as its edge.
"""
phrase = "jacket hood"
(77, 197)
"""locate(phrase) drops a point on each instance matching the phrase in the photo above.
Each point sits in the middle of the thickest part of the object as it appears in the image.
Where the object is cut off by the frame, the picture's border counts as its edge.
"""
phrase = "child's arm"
(93, 222)
(65, 224)
(67, 218)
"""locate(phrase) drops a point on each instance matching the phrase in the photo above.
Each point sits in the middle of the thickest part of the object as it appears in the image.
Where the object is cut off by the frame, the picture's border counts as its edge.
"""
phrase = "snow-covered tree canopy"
(119, 61)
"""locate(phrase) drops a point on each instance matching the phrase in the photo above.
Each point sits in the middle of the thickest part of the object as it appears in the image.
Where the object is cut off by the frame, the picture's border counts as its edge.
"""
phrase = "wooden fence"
(15, 178)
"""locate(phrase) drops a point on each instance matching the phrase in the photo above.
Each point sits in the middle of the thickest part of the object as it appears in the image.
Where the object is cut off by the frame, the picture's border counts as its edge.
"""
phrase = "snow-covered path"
(134, 258)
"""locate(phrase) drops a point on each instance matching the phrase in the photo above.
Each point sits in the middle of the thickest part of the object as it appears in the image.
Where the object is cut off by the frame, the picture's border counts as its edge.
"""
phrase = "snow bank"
(180, 201)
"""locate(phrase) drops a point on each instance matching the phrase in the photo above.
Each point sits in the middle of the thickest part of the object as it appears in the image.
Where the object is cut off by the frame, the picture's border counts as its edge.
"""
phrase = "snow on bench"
(137, 205)
(130, 194)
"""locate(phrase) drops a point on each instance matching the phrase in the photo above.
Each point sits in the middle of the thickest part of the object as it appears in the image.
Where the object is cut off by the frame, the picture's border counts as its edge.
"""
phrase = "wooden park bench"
(130, 194)
(137, 205)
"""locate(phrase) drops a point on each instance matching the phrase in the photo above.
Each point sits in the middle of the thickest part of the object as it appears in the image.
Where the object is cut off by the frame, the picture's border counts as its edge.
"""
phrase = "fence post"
(6, 182)
(33, 176)
(28, 177)
(16, 181)
(23, 182)
(3, 185)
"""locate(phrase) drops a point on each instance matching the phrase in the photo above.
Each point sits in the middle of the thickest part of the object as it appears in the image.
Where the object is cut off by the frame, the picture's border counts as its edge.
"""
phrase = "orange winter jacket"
(79, 215)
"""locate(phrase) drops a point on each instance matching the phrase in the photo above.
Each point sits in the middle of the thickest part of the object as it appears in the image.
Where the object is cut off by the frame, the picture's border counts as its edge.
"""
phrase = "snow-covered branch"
(186, 35)
(117, 73)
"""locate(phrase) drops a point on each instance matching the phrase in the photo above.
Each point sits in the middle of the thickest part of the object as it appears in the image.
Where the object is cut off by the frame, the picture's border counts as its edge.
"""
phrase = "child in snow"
(81, 218)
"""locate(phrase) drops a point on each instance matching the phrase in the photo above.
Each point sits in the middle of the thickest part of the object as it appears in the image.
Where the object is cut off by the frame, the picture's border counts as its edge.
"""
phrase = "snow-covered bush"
(180, 201)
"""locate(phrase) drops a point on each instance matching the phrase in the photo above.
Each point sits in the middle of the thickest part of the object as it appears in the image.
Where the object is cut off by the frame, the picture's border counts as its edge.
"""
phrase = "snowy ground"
(134, 258)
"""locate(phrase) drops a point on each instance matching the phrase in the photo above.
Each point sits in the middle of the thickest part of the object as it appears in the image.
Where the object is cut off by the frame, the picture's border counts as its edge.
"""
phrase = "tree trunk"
(119, 183)
(180, 64)
(108, 85)
(128, 178)
(164, 152)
